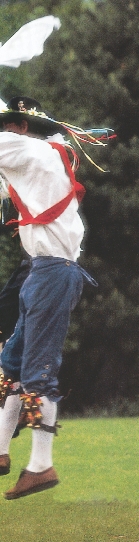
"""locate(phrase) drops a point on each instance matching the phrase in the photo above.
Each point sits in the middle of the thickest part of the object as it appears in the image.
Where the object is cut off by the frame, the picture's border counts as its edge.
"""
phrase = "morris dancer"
(38, 175)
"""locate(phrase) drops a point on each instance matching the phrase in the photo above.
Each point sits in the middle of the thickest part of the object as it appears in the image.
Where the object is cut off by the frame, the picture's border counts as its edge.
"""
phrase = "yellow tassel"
(87, 155)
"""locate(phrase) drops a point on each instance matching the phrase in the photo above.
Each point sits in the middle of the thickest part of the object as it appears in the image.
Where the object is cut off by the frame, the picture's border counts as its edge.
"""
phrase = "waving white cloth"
(28, 41)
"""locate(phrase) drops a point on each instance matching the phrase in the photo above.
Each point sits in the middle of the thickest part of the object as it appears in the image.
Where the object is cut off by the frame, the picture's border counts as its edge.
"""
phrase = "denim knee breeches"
(33, 354)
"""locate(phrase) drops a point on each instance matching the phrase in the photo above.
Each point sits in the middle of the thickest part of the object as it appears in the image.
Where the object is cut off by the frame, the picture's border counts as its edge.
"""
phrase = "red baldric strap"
(56, 210)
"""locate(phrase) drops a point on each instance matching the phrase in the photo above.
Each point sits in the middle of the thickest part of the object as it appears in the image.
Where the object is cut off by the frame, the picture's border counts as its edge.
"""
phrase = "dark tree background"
(89, 75)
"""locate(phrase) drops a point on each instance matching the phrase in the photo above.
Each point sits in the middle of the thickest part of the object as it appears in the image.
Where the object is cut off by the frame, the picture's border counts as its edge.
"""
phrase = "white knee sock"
(8, 421)
(41, 454)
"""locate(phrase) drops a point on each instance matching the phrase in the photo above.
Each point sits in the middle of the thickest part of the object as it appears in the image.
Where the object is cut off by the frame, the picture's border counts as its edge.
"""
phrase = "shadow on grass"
(39, 517)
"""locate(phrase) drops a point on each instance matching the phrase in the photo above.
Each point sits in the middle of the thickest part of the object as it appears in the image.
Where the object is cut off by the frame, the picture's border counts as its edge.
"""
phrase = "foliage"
(10, 256)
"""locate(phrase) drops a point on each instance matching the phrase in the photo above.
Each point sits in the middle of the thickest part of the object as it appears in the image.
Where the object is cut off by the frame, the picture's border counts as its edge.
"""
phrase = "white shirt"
(38, 175)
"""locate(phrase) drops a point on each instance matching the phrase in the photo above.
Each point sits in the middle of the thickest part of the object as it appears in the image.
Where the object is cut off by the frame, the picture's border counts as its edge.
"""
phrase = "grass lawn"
(98, 498)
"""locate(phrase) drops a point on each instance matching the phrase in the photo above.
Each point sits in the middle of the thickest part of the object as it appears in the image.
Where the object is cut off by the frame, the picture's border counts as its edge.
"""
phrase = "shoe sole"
(41, 487)
(4, 470)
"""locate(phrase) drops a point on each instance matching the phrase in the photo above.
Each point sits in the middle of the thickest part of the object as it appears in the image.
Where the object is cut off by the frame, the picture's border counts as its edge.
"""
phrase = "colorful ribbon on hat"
(92, 136)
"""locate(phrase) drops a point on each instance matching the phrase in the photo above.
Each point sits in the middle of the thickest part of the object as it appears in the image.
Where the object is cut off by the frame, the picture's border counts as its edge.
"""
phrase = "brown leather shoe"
(4, 464)
(32, 482)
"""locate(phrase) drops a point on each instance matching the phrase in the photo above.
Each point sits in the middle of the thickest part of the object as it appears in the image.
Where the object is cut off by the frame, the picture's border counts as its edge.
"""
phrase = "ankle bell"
(31, 404)
(5, 389)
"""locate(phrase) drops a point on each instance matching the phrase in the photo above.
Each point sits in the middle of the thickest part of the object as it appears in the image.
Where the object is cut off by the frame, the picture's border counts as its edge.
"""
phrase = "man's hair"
(33, 127)
(13, 117)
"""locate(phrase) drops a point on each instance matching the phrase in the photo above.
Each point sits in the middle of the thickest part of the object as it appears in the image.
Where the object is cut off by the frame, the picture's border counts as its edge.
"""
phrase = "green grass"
(98, 498)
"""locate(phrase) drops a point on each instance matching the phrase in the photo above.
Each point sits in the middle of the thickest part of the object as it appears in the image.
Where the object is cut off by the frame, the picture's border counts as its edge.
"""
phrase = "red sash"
(56, 210)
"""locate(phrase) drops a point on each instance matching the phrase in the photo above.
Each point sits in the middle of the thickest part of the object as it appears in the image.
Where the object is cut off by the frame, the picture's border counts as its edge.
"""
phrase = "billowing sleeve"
(12, 153)
(13, 161)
